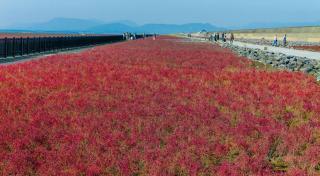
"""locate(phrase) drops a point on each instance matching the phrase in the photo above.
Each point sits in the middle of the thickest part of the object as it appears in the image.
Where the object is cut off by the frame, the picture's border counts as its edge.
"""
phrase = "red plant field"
(163, 107)
(310, 48)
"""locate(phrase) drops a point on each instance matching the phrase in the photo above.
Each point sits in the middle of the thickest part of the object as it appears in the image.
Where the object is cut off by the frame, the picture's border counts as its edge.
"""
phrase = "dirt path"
(286, 51)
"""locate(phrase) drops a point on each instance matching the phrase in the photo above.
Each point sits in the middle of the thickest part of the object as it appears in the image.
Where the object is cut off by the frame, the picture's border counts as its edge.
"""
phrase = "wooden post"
(34, 43)
(13, 47)
(45, 44)
(28, 46)
(5, 47)
(39, 45)
(21, 46)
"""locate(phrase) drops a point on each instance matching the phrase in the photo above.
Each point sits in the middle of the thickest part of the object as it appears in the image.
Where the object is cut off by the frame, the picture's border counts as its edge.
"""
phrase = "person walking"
(275, 41)
(212, 37)
(285, 40)
(224, 37)
(231, 38)
(125, 36)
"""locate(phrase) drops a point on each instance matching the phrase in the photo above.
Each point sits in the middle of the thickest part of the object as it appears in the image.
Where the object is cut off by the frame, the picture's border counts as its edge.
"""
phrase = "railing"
(12, 47)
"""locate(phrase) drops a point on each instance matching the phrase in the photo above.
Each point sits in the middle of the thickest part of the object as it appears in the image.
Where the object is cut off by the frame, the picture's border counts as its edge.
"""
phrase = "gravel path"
(286, 51)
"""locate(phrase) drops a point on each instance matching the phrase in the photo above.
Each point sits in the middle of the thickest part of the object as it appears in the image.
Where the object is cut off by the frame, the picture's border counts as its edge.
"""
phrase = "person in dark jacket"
(224, 37)
(285, 40)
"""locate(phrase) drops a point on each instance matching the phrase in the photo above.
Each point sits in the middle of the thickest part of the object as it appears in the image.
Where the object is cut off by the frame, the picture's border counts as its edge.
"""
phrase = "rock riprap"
(277, 60)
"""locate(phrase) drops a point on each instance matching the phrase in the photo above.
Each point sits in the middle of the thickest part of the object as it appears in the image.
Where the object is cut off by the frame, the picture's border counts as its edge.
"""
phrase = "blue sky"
(217, 12)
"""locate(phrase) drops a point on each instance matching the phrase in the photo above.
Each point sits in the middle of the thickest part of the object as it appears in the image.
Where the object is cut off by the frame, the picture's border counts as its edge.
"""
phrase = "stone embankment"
(278, 60)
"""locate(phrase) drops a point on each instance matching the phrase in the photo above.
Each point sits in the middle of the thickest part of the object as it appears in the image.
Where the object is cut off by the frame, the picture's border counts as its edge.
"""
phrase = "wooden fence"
(12, 47)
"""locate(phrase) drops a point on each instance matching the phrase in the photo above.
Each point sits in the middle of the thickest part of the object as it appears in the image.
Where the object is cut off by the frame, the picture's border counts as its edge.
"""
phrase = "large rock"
(307, 68)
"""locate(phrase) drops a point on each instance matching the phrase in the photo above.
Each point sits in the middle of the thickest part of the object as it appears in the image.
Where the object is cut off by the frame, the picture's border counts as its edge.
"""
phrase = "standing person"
(231, 38)
(285, 40)
(154, 36)
(125, 36)
(131, 36)
(275, 41)
(211, 37)
(222, 36)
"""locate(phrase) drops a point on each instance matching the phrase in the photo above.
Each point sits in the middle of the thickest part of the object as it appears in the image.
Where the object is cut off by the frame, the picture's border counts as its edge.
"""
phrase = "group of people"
(129, 36)
(221, 36)
(230, 36)
(134, 36)
(284, 40)
(224, 37)
(154, 37)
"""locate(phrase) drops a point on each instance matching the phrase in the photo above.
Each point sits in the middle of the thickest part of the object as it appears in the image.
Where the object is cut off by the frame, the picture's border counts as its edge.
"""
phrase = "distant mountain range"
(117, 27)
(70, 25)
(153, 28)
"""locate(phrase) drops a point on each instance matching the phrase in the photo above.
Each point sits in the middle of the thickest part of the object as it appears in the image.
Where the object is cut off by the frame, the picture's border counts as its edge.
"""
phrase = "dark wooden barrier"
(12, 47)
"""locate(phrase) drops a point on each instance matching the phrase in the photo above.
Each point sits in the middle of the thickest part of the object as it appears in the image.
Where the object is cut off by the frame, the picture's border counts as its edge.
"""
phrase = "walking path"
(286, 51)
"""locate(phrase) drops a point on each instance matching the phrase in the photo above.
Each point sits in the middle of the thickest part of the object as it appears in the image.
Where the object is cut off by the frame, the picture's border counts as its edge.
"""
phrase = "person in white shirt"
(275, 41)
